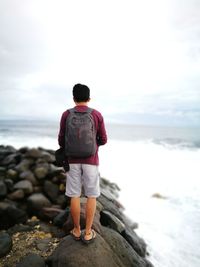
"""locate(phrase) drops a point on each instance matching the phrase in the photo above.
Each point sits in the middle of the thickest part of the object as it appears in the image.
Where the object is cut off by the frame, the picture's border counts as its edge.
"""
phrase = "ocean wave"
(177, 143)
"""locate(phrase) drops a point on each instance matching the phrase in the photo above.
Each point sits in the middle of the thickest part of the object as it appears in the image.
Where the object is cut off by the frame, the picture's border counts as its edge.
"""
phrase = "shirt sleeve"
(61, 135)
(101, 133)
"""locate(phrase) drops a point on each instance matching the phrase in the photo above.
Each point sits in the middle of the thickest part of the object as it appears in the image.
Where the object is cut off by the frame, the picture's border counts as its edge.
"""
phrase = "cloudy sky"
(141, 59)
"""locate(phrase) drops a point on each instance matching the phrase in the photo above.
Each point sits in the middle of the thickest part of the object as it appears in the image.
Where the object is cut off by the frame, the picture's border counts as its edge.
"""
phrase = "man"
(83, 170)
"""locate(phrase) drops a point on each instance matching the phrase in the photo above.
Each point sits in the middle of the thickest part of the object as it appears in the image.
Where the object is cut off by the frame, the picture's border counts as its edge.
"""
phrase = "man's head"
(81, 93)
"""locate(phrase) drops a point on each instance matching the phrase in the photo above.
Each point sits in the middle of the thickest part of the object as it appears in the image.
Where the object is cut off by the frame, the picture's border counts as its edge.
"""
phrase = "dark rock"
(9, 184)
(16, 195)
(108, 219)
(62, 201)
(48, 157)
(111, 205)
(32, 260)
(41, 171)
(5, 151)
(74, 254)
(12, 174)
(61, 218)
(33, 153)
(36, 202)
(135, 241)
(24, 165)
(25, 185)
(19, 228)
(51, 190)
(3, 190)
(123, 249)
(28, 175)
(5, 243)
(11, 159)
(51, 212)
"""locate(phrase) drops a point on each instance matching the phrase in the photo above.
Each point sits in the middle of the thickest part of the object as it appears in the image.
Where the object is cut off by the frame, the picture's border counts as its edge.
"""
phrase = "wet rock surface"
(35, 217)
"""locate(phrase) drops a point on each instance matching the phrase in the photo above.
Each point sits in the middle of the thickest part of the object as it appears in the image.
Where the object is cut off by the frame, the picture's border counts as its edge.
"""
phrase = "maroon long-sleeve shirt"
(101, 135)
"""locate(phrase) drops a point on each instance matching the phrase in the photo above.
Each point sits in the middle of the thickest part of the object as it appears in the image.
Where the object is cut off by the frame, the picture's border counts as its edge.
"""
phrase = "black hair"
(81, 93)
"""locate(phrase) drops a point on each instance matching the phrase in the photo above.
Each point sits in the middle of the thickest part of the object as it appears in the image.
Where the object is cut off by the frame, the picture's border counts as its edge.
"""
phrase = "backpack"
(80, 134)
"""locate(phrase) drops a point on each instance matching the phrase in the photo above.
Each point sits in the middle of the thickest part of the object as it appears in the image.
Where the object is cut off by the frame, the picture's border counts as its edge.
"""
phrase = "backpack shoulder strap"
(73, 110)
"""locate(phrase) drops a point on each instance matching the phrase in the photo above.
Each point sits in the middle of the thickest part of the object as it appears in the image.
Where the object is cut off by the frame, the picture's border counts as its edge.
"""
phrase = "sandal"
(88, 241)
(74, 236)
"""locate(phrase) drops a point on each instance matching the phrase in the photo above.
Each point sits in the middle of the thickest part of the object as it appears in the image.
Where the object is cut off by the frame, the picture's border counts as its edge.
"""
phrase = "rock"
(28, 175)
(24, 165)
(11, 215)
(51, 212)
(12, 174)
(5, 151)
(74, 254)
(61, 218)
(3, 190)
(51, 190)
(32, 260)
(111, 205)
(16, 195)
(10, 159)
(19, 228)
(36, 202)
(41, 171)
(48, 157)
(9, 184)
(5, 243)
(25, 185)
(54, 170)
(158, 195)
(110, 220)
(135, 241)
(33, 153)
(122, 248)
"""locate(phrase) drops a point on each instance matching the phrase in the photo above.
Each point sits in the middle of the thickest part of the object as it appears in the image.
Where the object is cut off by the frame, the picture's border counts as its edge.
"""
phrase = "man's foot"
(89, 237)
(76, 234)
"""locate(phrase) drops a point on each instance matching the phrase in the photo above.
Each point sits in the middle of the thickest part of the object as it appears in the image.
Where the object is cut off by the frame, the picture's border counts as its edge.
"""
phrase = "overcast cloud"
(141, 59)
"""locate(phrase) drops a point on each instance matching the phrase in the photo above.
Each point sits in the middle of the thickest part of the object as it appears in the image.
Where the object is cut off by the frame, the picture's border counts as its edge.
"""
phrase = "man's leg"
(90, 211)
(75, 213)
(92, 191)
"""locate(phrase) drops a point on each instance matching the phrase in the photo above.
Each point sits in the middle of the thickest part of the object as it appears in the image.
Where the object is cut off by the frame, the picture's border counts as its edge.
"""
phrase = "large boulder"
(36, 202)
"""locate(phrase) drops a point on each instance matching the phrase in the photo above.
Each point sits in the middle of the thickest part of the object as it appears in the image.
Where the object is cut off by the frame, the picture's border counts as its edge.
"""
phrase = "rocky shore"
(35, 218)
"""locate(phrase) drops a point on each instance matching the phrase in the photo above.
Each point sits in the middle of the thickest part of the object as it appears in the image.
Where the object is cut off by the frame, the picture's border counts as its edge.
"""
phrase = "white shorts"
(82, 175)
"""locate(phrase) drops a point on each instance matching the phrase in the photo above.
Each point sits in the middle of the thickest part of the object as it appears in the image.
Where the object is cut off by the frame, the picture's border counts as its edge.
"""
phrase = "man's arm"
(61, 135)
(101, 133)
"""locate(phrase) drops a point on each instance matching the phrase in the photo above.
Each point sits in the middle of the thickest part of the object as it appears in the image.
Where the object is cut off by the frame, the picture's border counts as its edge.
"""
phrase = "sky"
(140, 59)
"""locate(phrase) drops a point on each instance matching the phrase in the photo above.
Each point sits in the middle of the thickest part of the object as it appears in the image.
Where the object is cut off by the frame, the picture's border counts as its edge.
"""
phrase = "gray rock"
(3, 190)
(24, 165)
(9, 159)
(41, 171)
(9, 184)
(12, 174)
(48, 157)
(5, 243)
(74, 254)
(11, 215)
(16, 195)
(51, 190)
(32, 260)
(25, 185)
(28, 175)
(33, 153)
(135, 241)
(123, 249)
(61, 218)
(108, 219)
(36, 202)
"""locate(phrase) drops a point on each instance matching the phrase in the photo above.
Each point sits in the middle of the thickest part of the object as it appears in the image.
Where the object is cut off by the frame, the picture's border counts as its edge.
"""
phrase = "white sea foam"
(170, 225)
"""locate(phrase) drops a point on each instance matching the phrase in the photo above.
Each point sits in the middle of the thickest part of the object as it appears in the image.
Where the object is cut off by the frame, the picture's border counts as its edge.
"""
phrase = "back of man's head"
(81, 93)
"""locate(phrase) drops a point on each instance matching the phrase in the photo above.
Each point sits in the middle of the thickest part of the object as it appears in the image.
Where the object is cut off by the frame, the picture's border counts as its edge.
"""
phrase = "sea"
(158, 172)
